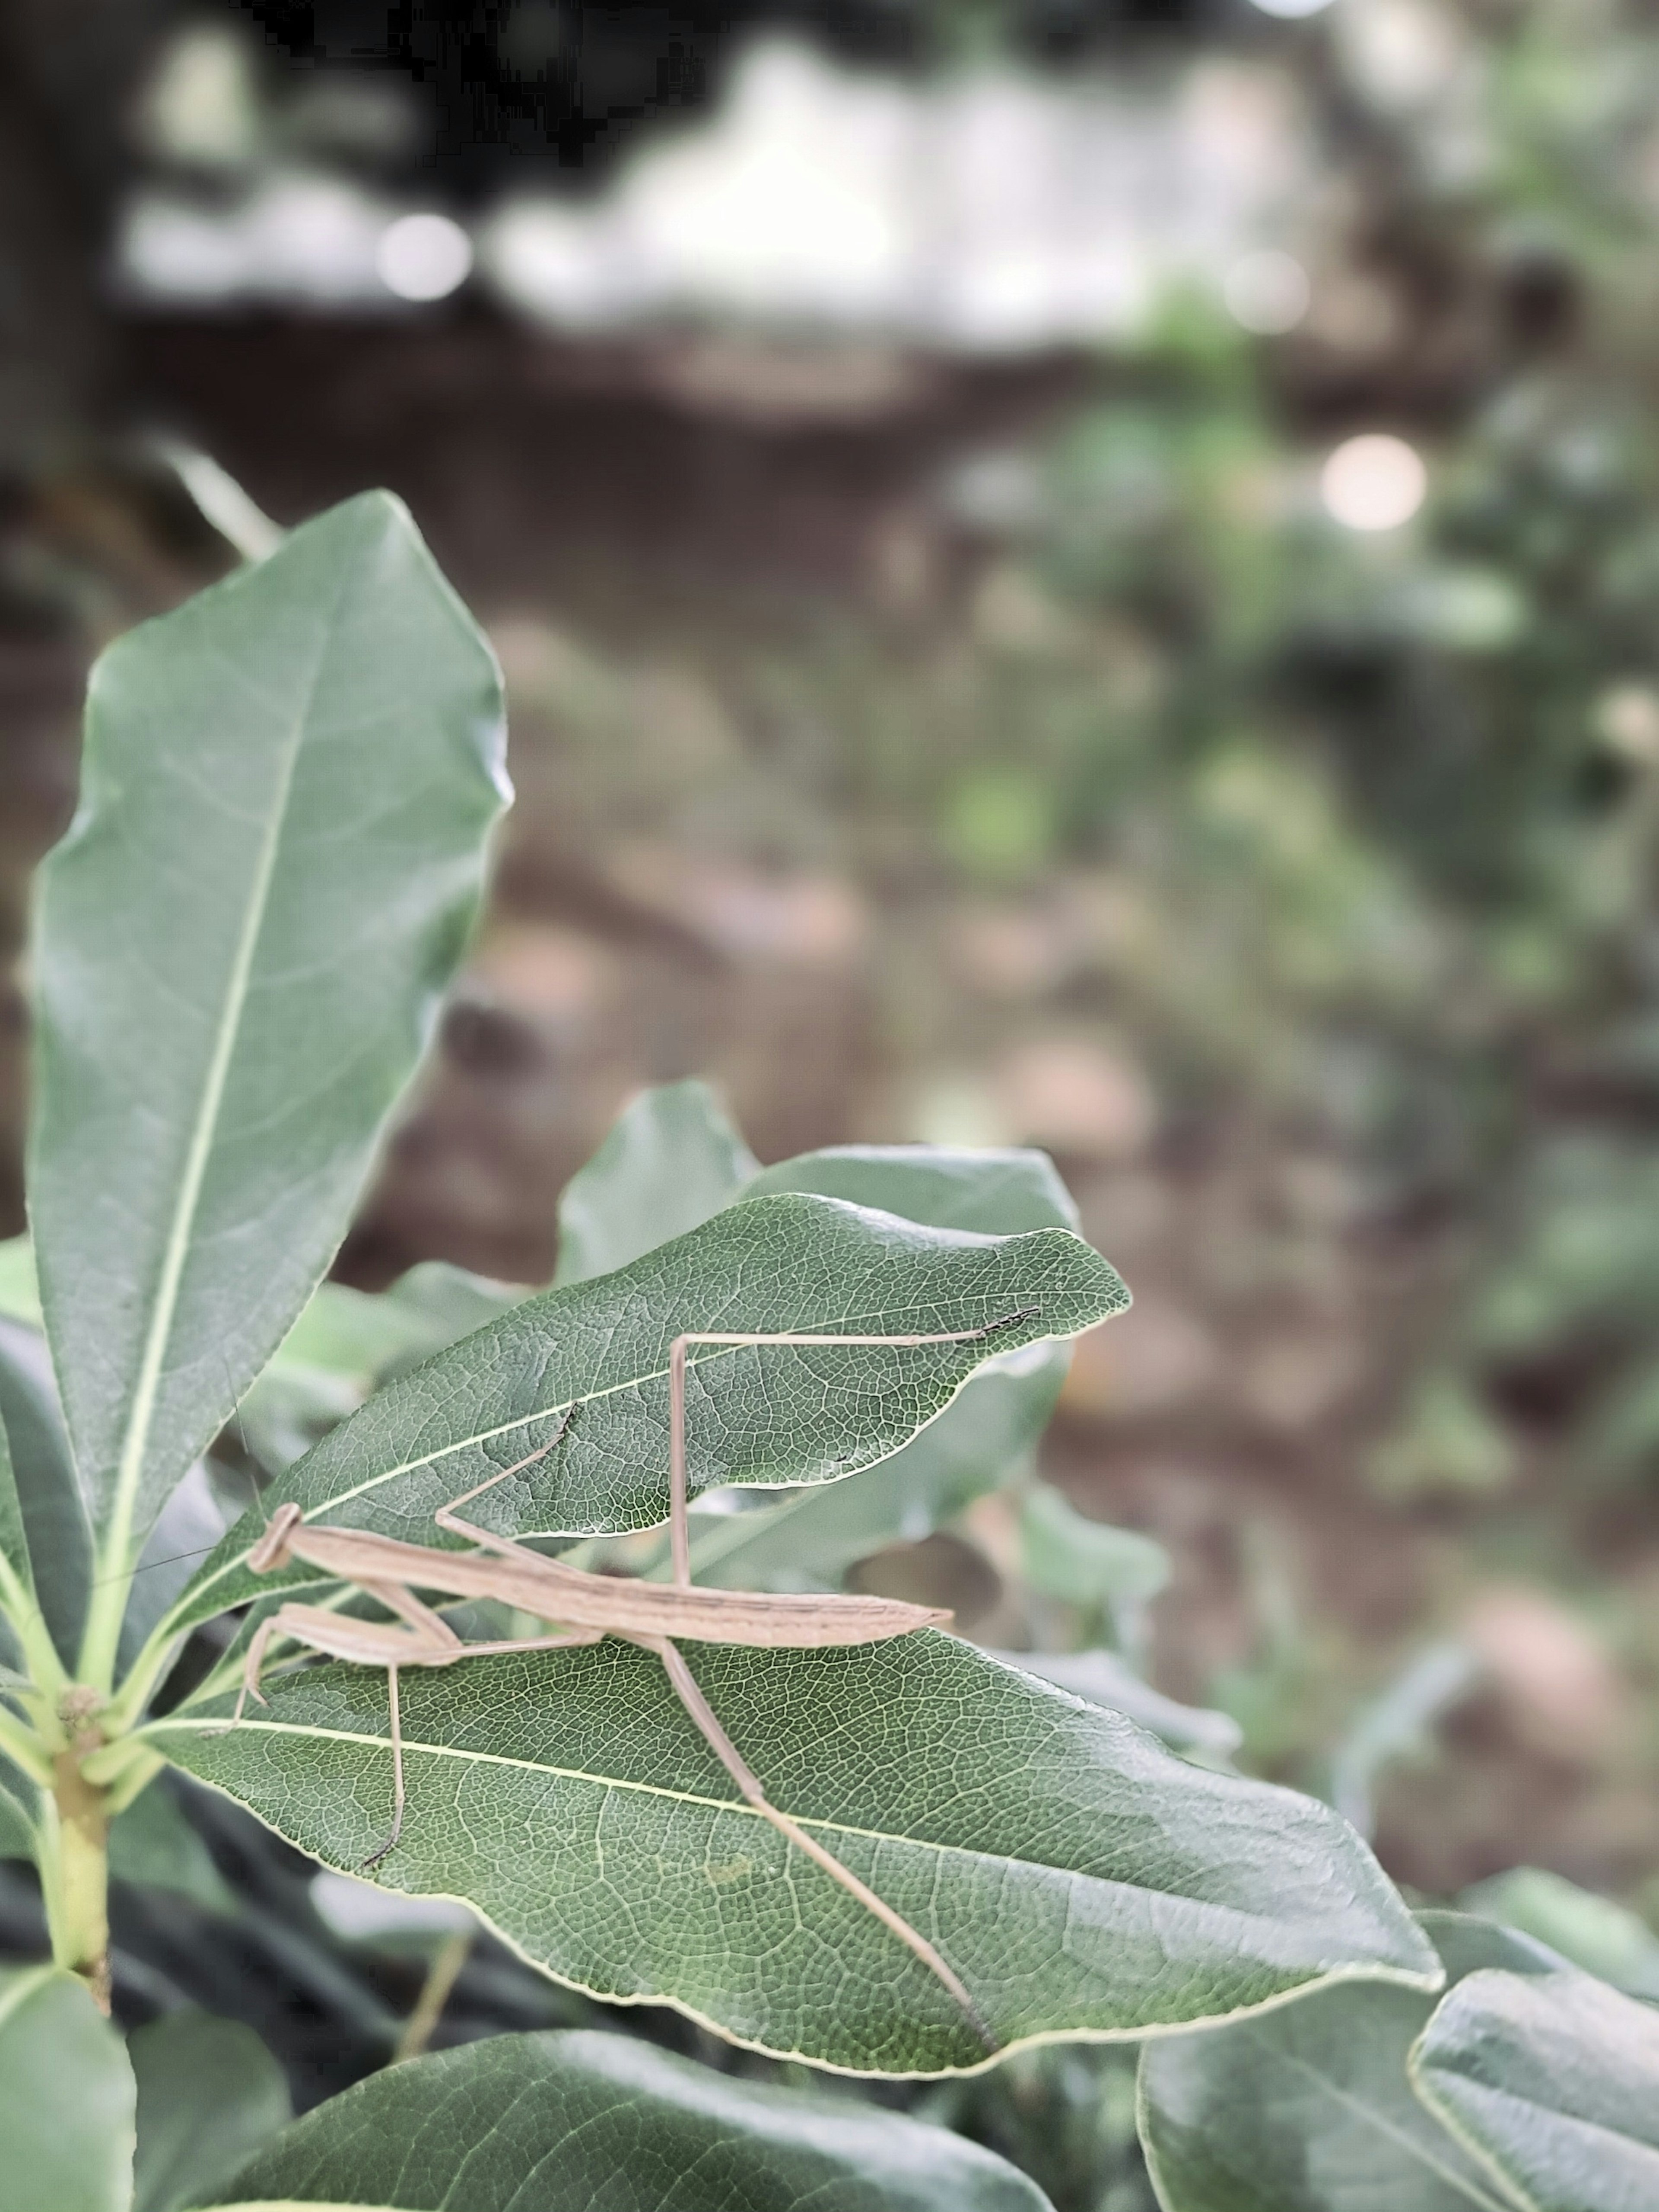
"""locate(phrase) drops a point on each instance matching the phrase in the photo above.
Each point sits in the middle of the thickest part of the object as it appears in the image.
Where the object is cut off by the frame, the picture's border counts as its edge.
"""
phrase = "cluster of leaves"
(287, 790)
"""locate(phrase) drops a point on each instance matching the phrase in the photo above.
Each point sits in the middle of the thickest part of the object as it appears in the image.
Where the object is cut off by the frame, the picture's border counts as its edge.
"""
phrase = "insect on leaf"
(1078, 1877)
(598, 1354)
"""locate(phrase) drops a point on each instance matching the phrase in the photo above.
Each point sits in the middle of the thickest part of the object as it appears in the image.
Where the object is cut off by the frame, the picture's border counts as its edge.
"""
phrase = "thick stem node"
(75, 1856)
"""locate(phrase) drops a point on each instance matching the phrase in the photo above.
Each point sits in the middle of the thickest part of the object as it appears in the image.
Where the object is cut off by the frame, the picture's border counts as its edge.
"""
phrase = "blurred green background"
(967, 684)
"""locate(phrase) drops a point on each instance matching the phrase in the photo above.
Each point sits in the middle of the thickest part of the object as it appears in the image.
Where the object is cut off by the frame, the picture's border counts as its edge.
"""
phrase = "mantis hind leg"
(732, 1760)
(395, 1720)
(395, 1717)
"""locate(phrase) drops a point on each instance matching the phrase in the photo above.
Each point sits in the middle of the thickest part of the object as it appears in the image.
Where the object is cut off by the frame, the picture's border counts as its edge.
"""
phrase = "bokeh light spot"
(423, 257)
(1267, 291)
(1373, 482)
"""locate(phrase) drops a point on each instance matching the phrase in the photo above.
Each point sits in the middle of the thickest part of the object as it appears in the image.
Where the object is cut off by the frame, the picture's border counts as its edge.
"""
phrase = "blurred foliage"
(1342, 847)
(1335, 849)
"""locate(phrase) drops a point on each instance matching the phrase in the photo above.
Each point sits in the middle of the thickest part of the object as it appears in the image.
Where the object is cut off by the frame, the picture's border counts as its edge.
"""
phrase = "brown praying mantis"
(587, 1607)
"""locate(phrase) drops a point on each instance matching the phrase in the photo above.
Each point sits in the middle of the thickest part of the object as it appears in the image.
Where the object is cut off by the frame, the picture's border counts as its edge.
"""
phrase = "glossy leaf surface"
(1307, 2107)
(286, 789)
(567, 2123)
(1553, 2082)
(66, 2098)
(1076, 1875)
(210, 2094)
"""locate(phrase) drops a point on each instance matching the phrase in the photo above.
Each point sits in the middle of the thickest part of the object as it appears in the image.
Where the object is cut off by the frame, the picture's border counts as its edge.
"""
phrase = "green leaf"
(947, 1186)
(209, 2095)
(1085, 1562)
(1553, 2083)
(809, 1540)
(1307, 2107)
(346, 1342)
(361, 1334)
(66, 2098)
(1102, 1678)
(55, 1556)
(242, 939)
(759, 1416)
(671, 1160)
(353, 1334)
(445, 1303)
(568, 2122)
(20, 1292)
(676, 1137)
(16, 1826)
(1076, 1876)
(16, 1580)
(1588, 1930)
(152, 1842)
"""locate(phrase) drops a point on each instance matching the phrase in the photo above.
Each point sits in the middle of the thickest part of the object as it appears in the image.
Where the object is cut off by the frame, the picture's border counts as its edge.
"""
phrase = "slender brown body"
(614, 1606)
(657, 1616)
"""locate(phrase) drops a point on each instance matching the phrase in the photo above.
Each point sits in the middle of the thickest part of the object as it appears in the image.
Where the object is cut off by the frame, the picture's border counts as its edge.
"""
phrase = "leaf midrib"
(1379, 2121)
(103, 1625)
(313, 1731)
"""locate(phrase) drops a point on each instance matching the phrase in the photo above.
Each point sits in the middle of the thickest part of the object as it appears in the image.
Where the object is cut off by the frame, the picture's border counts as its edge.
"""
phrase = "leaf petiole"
(25, 1750)
(17, 1603)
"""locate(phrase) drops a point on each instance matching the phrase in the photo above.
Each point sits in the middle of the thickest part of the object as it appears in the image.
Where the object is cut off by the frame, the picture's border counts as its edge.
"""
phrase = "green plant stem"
(154, 1659)
(441, 1977)
(102, 1638)
(122, 1770)
(74, 1874)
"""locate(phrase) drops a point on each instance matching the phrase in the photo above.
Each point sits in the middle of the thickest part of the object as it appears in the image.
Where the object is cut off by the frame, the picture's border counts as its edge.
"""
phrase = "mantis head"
(271, 1550)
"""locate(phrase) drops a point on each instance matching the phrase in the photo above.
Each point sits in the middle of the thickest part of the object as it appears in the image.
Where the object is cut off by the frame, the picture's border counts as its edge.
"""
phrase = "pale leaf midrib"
(313, 1731)
(163, 1311)
(1371, 2117)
